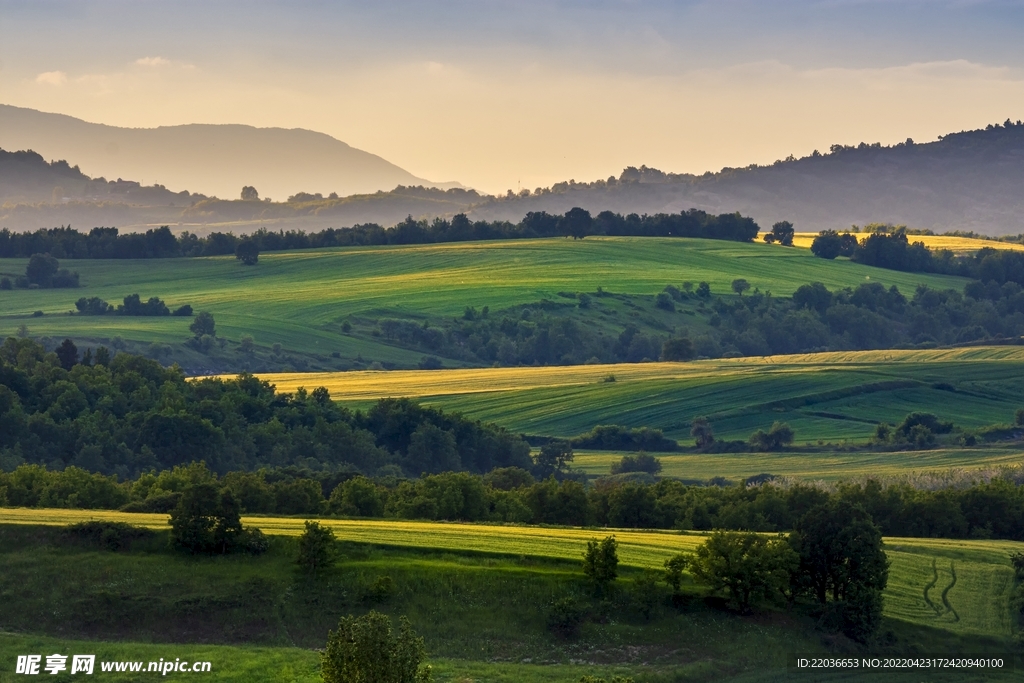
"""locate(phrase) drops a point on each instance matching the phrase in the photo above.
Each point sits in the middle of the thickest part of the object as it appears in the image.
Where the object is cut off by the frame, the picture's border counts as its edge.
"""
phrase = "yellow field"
(371, 385)
(955, 244)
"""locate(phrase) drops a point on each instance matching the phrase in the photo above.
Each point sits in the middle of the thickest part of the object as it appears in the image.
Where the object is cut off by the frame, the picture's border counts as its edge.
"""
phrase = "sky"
(520, 94)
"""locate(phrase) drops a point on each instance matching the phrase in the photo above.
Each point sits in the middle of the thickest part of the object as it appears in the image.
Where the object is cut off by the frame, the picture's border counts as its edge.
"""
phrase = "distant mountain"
(965, 181)
(213, 159)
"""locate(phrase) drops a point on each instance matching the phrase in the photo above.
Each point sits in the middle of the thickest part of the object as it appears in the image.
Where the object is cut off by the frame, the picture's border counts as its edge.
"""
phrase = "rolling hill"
(213, 159)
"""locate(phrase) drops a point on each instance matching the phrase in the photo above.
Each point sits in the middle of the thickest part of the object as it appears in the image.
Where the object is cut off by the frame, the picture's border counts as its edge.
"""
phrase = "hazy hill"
(213, 159)
(968, 181)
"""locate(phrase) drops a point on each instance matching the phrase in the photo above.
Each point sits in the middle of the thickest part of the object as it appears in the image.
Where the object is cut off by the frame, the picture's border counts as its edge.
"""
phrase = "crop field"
(955, 244)
(956, 585)
(821, 465)
(300, 299)
(829, 397)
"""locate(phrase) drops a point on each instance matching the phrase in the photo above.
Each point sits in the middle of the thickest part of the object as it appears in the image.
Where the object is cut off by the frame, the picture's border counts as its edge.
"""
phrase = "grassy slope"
(828, 396)
(299, 299)
(979, 598)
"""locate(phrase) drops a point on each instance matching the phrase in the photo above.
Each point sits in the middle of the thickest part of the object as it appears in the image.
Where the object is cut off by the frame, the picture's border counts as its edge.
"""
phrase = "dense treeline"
(994, 509)
(815, 318)
(126, 414)
(108, 243)
(892, 249)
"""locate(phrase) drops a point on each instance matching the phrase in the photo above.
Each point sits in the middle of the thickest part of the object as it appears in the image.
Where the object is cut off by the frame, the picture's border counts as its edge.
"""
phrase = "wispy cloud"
(52, 78)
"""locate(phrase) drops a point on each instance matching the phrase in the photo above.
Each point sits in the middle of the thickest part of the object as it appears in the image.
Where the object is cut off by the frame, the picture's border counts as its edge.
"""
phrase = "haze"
(502, 95)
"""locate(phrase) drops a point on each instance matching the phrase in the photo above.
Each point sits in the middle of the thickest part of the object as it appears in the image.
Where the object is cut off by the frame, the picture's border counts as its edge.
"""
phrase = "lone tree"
(739, 285)
(248, 252)
(367, 650)
(250, 194)
(700, 430)
(316, 549)
(203, 324)
(600, 563)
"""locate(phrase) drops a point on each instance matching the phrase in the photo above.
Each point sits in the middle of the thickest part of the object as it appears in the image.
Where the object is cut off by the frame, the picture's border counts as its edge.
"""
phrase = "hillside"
(306, 298)
(963, 181)
(214, 159)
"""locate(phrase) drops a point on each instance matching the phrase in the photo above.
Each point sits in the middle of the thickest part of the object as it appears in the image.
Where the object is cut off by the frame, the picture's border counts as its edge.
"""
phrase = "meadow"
(301, 299)
(825, 397)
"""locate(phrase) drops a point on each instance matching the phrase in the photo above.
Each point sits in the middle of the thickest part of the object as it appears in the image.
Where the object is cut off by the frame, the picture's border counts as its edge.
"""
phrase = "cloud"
(52, 78)
(152, 61)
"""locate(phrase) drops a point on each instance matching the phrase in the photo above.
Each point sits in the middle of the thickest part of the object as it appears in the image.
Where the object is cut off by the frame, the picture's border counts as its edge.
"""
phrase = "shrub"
(106, 535)
(565, 616)
(366, 648)
(600, 563)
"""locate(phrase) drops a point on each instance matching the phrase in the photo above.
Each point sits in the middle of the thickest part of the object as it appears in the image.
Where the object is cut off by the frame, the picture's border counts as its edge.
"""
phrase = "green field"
(300, 299)
(978, 601)
(828, 397)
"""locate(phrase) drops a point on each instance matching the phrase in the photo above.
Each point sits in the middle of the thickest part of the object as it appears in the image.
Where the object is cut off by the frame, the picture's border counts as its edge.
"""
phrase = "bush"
(106, 535)
(565, 617)
(316, 547)
(366, 649)
(641, 462)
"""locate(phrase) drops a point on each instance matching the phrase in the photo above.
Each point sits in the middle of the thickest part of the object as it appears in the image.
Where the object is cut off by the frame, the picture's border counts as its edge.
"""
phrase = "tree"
(206, 520)
(248, 252)
(554, 458)
(249, 194)
(203, 324)
(576, 223)
(600, 563)
(782, 232)
(316, 547)
(367, 650)
(778, 436)
(701, 430)
(674, 567)
(739, 285)
(40, 269)
(751, 567)
(678, 349)
(842, 557)
(67, 354)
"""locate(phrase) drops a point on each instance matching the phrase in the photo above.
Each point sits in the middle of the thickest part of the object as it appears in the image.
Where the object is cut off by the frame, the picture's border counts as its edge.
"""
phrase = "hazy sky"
(495, 93)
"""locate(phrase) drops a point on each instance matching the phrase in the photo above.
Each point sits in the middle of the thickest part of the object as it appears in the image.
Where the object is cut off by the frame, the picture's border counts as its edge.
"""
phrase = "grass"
(828, 396)
(978, 601)
(300, 299)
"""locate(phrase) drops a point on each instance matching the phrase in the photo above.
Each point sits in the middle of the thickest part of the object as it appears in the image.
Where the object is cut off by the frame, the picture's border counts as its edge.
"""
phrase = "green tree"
(780, 434)
(206, 520)
(554, 458)
(316, 547)
(41, 269)
(203, 324)
(674, 567)
(67, 354)
(248, 252)
(601, 562)
(739, 285)
(700, 430)
(678, 350)
(751, 567)
(367, 650)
